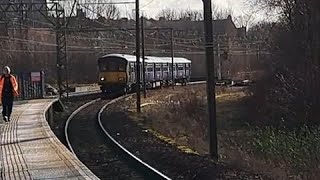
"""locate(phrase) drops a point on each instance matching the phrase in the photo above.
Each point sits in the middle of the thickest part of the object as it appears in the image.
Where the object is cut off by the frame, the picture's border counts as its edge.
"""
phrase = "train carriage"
(117, 72)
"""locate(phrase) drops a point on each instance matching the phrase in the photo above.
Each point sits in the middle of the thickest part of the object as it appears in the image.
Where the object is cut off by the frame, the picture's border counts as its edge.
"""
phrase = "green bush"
(299, 148)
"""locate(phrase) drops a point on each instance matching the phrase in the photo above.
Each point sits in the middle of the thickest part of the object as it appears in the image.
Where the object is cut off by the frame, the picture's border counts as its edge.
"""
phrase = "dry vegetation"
(180, 117)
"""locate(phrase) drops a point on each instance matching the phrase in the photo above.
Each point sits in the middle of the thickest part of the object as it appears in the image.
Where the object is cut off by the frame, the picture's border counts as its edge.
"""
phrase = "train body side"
(158, 72)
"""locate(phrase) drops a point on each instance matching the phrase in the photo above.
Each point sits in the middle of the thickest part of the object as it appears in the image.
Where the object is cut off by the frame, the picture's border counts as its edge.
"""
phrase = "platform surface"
(30, 150)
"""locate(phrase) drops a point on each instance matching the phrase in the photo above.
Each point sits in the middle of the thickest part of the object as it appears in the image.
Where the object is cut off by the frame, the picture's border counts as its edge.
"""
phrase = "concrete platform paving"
(30, 150)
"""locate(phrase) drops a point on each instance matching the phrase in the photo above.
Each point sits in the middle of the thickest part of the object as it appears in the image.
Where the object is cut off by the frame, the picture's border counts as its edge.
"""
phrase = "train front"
(112, 74)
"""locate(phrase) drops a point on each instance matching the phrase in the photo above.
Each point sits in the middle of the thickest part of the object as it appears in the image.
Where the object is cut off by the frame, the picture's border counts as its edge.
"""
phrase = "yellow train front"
(113, 74)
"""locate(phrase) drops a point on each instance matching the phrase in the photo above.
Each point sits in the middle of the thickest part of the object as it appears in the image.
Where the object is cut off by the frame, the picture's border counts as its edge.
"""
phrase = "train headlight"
(102, 78)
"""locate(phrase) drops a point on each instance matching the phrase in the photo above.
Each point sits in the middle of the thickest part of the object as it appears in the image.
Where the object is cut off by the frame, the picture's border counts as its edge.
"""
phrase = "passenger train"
(117, 72)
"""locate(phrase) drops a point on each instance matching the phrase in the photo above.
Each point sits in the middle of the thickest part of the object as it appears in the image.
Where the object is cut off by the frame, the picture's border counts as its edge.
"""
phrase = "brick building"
(238, 56)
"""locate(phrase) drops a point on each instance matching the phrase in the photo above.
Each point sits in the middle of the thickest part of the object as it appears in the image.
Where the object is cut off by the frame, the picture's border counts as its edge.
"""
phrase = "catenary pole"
(138, 57)
(213, 146)
(143, 59)
(172, 59)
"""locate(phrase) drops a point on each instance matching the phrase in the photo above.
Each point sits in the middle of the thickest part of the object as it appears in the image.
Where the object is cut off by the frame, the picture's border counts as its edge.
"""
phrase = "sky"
(152, 8)
(238, 6)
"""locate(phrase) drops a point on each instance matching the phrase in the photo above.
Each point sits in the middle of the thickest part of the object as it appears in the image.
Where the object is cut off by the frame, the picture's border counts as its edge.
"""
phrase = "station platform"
(30, 150)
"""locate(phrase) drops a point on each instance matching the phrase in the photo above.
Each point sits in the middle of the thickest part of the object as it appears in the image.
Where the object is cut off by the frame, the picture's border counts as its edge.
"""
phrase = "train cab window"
(102, 68)
(122, 67)
(112, 64)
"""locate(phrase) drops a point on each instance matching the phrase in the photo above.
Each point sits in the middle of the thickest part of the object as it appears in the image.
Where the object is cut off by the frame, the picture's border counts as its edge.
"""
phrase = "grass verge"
(181, 115)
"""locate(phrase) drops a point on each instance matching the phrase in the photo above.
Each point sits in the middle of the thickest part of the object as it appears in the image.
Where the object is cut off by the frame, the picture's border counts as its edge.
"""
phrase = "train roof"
(128, 57)
(176, 59)
(150, 59)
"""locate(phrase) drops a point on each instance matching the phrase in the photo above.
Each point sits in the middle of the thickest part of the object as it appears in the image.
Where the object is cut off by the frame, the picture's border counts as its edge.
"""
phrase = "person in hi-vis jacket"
(8, 90)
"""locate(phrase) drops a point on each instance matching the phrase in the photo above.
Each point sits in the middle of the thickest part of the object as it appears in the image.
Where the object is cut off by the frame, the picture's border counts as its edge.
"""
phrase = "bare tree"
(222, 14)
(104, 8)
(130, 14)
(244, 20)
(263, 31)
(218, 13)
(112, 11)
(169, 14)
(292, 94)
(193, 15)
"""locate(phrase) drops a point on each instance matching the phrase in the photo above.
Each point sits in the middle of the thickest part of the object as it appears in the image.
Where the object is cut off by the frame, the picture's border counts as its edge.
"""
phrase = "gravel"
(164, 157)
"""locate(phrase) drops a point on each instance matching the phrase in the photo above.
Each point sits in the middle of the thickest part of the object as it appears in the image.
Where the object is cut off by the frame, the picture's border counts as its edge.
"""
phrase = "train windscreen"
(112, 64)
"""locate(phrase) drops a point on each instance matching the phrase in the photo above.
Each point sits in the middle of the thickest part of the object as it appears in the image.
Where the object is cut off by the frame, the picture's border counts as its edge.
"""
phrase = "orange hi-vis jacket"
(13, 82)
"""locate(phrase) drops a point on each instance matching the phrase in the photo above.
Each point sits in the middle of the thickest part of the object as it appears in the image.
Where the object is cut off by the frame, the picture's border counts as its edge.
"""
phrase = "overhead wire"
(147, 50)
(109, 43)
(120, 2)
(28, 41)
(147, 4)
(80, 37)
(47, 24)
(115, 44)
(115, 29)
(124, 29)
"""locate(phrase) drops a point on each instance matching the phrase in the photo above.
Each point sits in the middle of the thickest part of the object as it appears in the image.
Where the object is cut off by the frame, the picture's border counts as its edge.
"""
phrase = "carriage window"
(158, 69)
(149, 69)
(180, 68)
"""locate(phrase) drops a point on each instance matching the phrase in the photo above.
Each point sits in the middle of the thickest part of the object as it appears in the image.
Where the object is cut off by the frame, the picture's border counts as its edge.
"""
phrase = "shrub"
(299, 148)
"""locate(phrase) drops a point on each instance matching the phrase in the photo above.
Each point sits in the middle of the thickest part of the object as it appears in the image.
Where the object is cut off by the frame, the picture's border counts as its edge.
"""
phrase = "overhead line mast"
(208, 26)
(138, 57)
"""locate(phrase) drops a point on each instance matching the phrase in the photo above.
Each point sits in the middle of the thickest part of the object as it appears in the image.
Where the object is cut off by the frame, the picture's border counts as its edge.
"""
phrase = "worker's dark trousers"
(7, 103)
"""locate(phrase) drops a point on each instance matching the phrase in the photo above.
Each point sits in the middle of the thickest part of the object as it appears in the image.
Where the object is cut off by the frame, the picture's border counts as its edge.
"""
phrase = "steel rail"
(156, 172)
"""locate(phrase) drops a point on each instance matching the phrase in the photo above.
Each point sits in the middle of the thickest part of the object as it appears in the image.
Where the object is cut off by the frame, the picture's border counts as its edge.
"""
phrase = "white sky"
(238, 6)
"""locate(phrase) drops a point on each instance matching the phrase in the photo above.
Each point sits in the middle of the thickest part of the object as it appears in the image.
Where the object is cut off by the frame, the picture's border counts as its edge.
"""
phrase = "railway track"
(91, 143)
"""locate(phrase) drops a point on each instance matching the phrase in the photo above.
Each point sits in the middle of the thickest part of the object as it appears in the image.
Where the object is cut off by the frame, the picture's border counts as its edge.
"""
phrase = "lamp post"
(213, 146)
